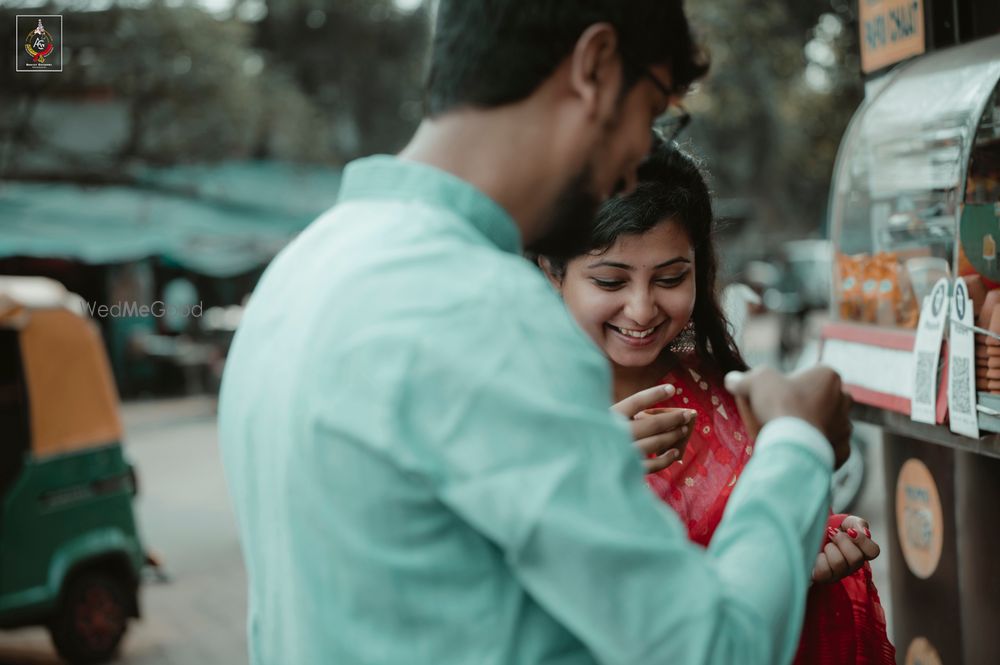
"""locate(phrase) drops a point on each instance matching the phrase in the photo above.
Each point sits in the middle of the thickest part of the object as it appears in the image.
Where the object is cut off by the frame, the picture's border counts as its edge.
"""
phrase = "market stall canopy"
(216, 220)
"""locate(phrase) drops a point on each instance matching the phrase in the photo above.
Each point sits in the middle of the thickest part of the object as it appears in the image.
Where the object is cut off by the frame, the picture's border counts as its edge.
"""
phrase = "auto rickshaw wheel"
(91, 618)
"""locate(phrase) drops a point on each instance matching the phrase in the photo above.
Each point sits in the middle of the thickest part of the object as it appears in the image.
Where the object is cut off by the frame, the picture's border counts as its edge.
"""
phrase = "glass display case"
(915, 189)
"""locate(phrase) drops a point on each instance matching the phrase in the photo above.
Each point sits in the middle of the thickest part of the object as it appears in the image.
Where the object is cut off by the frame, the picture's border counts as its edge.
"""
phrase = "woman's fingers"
(844, 555)
(661, 462)
(664, 443)
(858, 530)
(838, 564)
(661, 437)
(644, 399)
(659, 421)
(821, 569)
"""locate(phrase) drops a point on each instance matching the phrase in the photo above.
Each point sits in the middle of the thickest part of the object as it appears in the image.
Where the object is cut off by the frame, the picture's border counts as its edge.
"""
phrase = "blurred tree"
(360, 61)
(317, 82)
(171, 81)
(783, 85)
(330, 80)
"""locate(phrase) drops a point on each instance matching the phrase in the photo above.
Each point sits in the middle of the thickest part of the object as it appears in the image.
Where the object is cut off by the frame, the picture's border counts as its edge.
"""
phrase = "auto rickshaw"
(70, 555)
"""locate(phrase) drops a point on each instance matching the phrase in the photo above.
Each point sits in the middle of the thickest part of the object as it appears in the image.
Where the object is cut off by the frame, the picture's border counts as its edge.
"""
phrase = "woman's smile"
(636, 337)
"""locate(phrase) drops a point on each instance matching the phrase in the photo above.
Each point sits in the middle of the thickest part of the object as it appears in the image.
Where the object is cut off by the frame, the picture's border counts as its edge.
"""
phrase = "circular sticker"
(922, 652)
(937, 299)
(919, 522)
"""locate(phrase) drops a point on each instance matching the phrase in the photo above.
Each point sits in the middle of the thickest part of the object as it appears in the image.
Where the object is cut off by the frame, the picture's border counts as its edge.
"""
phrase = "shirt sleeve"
(531, 457)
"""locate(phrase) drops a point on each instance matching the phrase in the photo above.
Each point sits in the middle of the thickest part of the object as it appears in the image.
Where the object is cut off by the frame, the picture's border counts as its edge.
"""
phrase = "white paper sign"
(962, 415)
(927, 352)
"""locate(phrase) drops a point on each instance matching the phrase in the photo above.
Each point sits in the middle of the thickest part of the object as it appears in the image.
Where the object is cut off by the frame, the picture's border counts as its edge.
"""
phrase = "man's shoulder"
(411, 277)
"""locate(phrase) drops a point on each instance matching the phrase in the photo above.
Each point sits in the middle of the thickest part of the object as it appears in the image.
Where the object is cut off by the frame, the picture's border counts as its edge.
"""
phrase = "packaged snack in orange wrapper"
(851, 271)
(908, 309)
(893, 302)
(874, 306)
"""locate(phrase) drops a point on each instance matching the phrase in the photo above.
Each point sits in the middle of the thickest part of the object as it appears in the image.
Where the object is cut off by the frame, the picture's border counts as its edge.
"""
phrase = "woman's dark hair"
(488, 53)
(672, 187)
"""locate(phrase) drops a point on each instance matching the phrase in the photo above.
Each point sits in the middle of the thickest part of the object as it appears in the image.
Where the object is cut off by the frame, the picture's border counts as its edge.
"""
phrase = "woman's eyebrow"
(625, 266)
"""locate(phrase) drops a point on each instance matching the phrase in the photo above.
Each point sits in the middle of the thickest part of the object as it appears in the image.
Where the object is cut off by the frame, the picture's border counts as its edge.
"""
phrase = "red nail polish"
(853, 533)
(868, 533)
(831, 532)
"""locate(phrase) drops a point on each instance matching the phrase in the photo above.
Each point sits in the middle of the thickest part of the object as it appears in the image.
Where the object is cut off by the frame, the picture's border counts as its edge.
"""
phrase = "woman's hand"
(847, 550)
(659, 434)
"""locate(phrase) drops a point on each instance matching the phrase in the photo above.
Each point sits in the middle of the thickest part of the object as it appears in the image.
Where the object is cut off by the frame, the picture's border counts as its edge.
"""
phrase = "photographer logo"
(39, 45)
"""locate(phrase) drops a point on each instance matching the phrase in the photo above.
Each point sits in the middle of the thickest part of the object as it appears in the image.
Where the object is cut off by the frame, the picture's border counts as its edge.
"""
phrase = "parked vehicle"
(70, 553)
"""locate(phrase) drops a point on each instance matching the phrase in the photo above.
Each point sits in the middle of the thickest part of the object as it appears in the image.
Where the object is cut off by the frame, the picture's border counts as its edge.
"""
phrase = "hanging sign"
(927, 352)
(962, 416)
(889, 31)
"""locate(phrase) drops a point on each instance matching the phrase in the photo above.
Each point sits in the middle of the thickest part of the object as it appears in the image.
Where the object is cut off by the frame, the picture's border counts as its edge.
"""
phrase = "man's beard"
(571, 221)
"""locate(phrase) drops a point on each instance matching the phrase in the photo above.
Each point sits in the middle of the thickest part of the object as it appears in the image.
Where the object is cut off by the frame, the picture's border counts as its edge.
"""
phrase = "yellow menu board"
(890, 31)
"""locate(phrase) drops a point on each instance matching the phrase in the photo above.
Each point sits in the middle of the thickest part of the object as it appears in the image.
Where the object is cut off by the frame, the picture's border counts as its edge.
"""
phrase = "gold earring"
(686, 340)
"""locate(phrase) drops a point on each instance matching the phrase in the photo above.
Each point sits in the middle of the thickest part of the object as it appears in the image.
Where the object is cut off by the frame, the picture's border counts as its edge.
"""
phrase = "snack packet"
(851, 271)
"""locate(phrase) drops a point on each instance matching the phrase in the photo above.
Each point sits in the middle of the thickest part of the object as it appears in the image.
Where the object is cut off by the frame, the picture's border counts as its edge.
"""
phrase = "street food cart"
(915, 224)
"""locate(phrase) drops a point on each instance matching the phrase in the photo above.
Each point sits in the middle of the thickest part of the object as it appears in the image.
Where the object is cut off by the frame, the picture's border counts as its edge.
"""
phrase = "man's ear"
(546, 265)
(595, 73)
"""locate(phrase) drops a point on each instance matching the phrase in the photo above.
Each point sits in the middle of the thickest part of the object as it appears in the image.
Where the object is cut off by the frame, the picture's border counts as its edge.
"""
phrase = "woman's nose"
(641, 307)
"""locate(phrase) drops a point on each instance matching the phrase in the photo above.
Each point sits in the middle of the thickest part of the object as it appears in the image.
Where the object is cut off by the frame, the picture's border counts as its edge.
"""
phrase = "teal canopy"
(219, 220)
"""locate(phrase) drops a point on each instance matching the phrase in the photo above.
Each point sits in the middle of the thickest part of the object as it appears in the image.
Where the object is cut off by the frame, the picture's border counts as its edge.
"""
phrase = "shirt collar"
(391, 178)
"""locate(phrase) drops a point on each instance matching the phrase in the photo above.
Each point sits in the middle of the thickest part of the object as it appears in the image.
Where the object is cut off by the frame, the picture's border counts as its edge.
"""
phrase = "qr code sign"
(925, 382)
(961, 399)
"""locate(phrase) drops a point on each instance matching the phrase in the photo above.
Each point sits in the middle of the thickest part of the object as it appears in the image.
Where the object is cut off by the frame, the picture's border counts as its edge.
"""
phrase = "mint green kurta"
(425, 471)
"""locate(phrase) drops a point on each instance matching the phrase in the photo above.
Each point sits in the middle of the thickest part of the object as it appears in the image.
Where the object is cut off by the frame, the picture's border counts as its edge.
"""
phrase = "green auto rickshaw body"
(66, 488)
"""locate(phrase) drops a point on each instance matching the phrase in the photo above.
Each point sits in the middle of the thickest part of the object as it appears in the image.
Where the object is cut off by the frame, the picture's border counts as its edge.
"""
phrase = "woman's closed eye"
(615, 284)
(673, 280)
(608, 284)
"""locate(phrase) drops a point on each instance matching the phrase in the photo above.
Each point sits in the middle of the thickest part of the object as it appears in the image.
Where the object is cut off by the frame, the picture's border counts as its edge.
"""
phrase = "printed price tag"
(927, 352)
(962, 366)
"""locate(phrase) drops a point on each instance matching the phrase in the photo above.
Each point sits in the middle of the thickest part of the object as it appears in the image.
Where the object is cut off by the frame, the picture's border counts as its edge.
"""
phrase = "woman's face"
(635, 298)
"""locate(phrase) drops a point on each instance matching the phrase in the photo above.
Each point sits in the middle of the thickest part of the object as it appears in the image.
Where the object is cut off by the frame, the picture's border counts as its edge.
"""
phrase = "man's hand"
(849, 548)
(815, 395)
(659, 434)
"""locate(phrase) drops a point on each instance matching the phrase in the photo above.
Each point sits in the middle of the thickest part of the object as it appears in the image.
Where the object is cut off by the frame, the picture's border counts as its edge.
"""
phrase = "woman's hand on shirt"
(844, 551)
(660, 435)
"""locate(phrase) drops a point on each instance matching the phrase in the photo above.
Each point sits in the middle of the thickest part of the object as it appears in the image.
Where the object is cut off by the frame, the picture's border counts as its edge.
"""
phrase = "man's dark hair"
(488, 53)
(673, 187)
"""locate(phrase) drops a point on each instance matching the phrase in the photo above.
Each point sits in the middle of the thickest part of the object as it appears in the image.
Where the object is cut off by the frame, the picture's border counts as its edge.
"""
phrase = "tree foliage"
(329, 80)
(313, 82)
(769, 118)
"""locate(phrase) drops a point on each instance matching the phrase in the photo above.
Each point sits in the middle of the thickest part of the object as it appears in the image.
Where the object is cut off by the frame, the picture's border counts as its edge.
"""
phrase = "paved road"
(198, 617)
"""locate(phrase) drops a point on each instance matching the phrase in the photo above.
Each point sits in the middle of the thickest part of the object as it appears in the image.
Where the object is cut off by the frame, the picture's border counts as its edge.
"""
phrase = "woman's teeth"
(638, 334)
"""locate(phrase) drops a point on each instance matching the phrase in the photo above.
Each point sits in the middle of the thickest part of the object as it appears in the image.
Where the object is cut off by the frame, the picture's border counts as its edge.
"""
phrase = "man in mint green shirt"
(417, 436)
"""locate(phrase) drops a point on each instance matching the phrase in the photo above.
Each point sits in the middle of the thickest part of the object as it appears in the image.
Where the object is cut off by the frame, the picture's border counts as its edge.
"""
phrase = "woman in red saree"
(645, 293)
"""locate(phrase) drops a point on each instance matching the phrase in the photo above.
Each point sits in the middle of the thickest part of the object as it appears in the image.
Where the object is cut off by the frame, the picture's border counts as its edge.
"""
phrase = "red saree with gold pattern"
(844, 621)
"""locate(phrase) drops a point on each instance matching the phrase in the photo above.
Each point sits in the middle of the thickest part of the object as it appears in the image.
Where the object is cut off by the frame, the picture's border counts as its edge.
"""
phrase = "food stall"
(915, 223)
